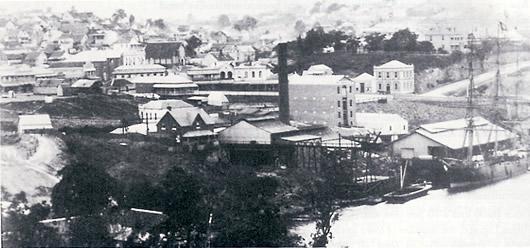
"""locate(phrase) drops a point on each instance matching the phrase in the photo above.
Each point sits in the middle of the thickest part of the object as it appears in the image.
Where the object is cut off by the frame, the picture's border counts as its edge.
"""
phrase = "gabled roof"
(273, 126)
(319, 67)
(392, 65)
(185, 116)
(52, 82)
(363, 77)
(452, 134)
(222, 57)
(156, 50)
(139, 68)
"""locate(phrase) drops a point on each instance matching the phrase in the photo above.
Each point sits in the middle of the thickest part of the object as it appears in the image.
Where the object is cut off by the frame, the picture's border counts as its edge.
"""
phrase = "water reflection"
(494, 215)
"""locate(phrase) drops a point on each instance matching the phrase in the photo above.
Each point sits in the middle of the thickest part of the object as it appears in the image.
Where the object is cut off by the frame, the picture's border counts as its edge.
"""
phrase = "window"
(163, 127)
(396, 74)
(174, 128)
(388, 75)
(246, 74)
(379, 74)
(340, 124)
(155, 116)
(351, 102)
(338, 89)
(404, 127)
(442, 37)
(395, 86)
(338, 104)
(350, 89)
(390, 128)
(253, 74)
(379, 86)
(351, 113)
(338, 114)
(259, 74)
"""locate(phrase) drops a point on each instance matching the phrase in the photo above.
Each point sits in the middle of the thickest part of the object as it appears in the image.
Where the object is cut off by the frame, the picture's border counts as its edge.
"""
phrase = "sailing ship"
(484, 163)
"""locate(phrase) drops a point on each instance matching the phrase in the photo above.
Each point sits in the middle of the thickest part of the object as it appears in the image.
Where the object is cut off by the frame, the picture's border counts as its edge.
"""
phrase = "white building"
(448, 138)
(128, 71)
(365, 83)
(319, 69)
(447, 39)
(391, 126)
(394, 77)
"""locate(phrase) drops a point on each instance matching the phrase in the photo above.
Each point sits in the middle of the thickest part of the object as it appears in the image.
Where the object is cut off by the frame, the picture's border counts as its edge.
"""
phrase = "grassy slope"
(96, 110)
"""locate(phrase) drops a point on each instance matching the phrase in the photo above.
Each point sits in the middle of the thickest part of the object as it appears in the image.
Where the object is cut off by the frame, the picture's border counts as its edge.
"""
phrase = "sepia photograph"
(265, 123)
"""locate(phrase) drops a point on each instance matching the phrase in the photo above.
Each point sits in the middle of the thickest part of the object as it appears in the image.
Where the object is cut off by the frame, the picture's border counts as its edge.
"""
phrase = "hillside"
(94, 110)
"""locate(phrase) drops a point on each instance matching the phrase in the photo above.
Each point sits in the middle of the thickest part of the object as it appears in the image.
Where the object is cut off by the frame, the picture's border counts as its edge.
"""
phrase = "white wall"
(418, 142)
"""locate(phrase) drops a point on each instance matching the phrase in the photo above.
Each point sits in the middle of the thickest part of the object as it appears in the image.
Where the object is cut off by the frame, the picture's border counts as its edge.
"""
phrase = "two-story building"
(188, 125)
(141, 70)
(154, 110)
(394, 77)
(365, 83)
(325, 99)
(166, 53)
(167, 86)
(446, 38)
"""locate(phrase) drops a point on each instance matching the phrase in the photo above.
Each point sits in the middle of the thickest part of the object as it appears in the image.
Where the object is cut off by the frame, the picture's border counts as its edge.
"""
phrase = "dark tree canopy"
(374, 41)
(247, 23)
(425, 46)
(402, 40)
(192, 43)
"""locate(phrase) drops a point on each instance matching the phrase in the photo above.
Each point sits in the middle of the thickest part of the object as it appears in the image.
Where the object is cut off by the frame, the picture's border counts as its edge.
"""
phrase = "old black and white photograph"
(265, 123)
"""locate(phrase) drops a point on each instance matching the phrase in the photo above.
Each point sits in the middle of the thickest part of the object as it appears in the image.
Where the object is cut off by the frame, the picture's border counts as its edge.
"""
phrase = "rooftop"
(169, 79)
(41, 121)
(273, 126)
(164, 104)
(316, 79)
(392, 65)
(363, 77)
(139, 68)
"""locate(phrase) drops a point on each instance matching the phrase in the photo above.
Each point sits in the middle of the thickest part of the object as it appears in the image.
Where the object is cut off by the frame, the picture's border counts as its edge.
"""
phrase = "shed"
(34, 123)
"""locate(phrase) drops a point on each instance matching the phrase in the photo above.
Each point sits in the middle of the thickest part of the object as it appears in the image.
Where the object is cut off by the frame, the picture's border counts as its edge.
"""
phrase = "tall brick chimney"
(283, 82)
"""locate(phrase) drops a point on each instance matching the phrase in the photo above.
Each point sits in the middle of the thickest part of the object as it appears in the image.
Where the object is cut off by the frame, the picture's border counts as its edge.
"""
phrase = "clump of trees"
(402, 40)
(246, 24)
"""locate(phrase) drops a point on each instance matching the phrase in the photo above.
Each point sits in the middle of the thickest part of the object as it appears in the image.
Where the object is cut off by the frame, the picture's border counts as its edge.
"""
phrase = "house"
(319, 69)
(191, 126)
(16, 79)
(154, 110)
(449, 139)
(95, 37)
(217, 99)
(47, 86)
(64, 90)
(365, 83)
(217, 59)
(166, 53)
(128, 71)
(240, 53)
(34, 123)
(219, 37)
(86, 86)
(446, 38)
(104, 61)
(394, 77)
(327, 100)
(264, 132)
(389, 126)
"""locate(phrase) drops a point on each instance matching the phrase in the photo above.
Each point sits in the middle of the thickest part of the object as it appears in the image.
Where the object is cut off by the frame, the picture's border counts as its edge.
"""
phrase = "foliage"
(118, 15)
(374, 41)
(249, 212)
(83, 190)
(300, 27)
(247, 23)
(425, 47)
(21, 227)
(223, 21)
(160, 24)
(89, 231)
(192, 43)
(402, 40)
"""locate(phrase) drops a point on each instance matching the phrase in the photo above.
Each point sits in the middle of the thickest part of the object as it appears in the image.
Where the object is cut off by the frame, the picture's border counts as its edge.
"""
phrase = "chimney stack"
(283, 82)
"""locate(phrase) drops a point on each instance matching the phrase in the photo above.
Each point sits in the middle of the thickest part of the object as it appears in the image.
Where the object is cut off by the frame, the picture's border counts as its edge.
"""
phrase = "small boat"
(408, 193)
(373, 200)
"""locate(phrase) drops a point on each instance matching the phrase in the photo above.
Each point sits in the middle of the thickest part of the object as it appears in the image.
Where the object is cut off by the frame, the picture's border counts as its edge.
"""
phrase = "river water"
(491, 216)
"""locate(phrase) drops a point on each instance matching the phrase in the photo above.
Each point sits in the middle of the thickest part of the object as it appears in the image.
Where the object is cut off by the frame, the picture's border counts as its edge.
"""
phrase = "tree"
(300, 27)
(402, 40)
(247, 23)
(352, 44)
(118, 15)
(131, 20)
(249, 214)
(425, 47)
(483, 50)
(374, 41)
(192, 43)
(89, 231)
(160, 24)
(83, 190)
(223, 21)
(21, 227)
(183, 203)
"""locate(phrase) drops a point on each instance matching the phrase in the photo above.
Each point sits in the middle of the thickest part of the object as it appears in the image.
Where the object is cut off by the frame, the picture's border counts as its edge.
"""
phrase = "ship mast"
(469, 109)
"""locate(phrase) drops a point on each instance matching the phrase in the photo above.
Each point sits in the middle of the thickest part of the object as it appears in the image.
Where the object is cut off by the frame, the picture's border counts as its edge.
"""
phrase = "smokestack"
(283, 81)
